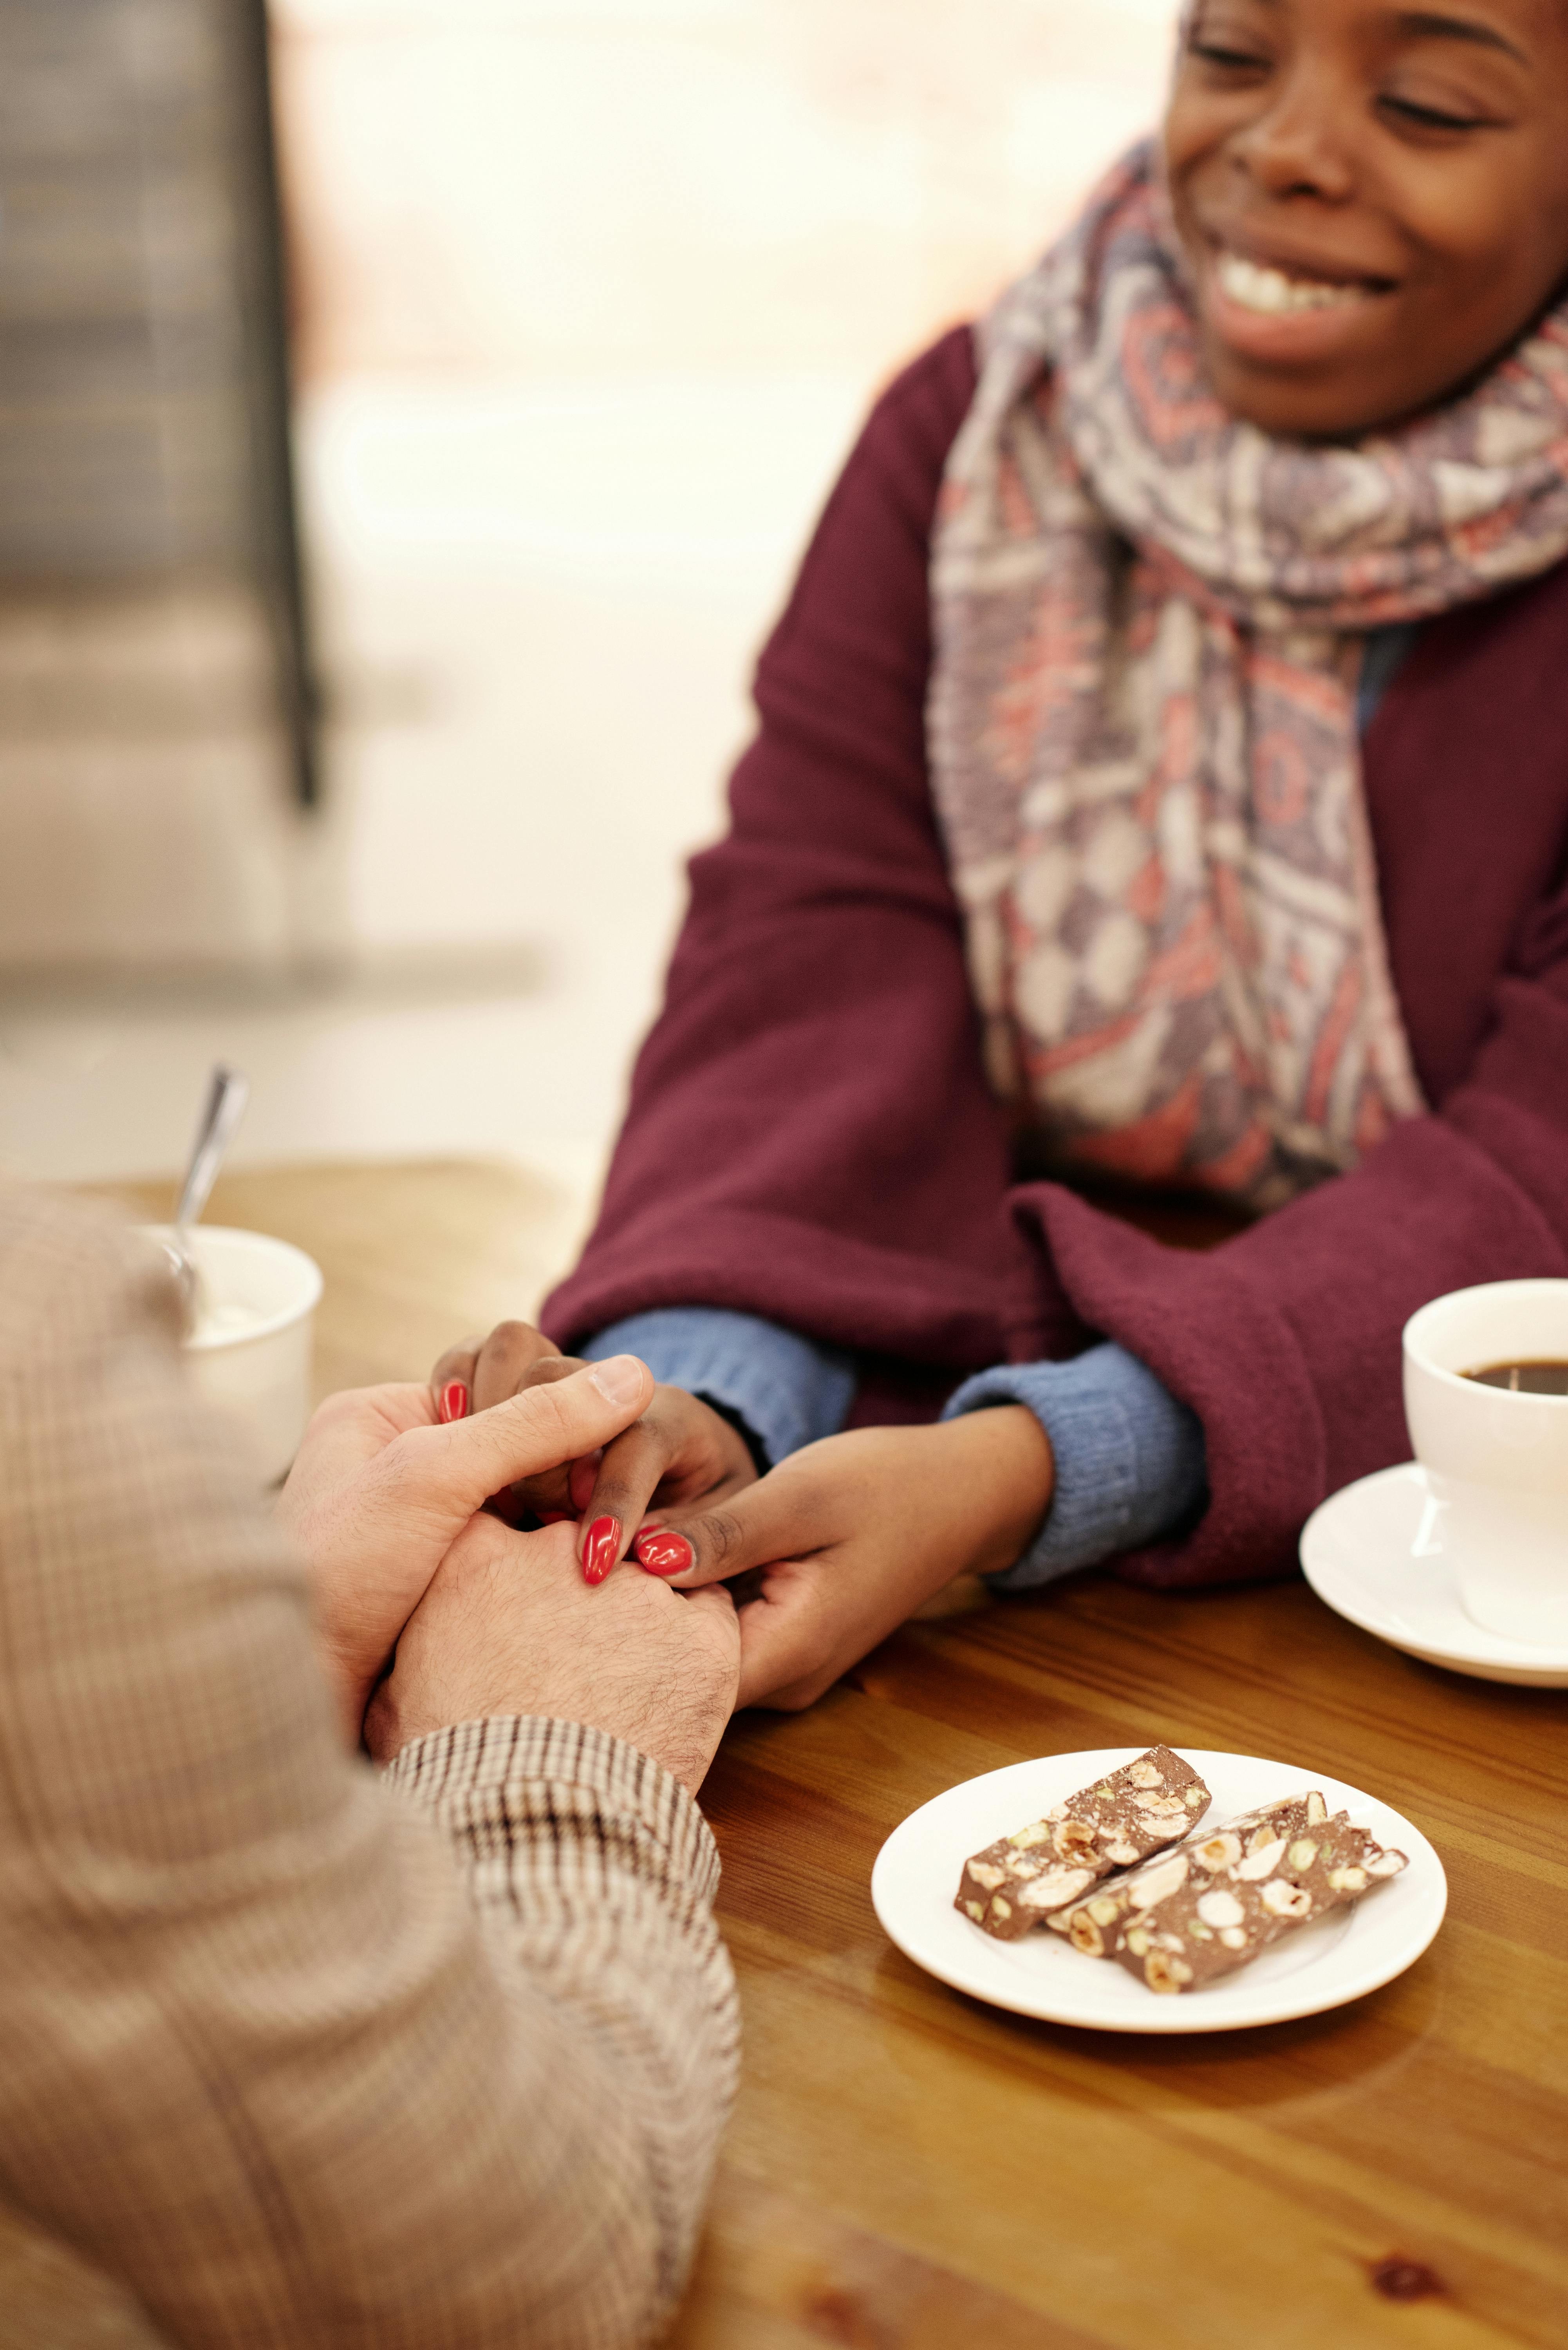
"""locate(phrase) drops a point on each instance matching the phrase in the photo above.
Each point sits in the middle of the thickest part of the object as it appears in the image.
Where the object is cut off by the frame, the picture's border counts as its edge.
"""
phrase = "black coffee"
(1524, 1378)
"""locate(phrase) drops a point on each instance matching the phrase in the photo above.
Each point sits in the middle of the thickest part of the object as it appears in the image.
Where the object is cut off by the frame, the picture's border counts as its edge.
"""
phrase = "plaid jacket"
(298, 2055)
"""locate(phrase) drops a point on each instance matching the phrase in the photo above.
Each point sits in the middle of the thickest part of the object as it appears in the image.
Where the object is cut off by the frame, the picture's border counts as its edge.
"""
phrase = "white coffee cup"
(250, 1351)
(1496, 1461)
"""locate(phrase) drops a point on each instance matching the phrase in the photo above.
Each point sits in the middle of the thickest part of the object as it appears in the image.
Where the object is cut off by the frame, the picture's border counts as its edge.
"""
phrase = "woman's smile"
(1268, 307)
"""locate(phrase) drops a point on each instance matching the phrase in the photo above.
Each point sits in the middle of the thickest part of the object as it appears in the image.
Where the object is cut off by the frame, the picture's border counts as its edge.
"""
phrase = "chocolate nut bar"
(1207, 1923)
(1089, 1924)
(1014, 1884)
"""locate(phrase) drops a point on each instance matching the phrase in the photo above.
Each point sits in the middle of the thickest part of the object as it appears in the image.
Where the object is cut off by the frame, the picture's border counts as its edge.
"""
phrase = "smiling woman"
(1374, 201)
(1160, 786)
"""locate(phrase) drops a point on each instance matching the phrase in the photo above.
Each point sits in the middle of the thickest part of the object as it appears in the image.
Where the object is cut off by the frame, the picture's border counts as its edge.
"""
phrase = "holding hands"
(401, 1499)
(386, 1503)
(841, 1542)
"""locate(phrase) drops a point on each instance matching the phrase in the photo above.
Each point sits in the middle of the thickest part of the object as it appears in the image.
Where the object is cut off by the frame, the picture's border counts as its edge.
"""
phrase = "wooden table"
(911, 2170)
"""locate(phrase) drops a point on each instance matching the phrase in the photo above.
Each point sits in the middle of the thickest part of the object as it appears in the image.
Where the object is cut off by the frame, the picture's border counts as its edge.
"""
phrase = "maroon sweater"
(811, 1137)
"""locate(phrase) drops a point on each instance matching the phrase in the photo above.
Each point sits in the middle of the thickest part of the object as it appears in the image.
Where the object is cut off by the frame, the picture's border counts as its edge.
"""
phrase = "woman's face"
(1374, 198)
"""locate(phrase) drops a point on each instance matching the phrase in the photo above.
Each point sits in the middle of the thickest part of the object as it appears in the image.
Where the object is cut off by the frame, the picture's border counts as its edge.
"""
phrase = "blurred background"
(410, 414)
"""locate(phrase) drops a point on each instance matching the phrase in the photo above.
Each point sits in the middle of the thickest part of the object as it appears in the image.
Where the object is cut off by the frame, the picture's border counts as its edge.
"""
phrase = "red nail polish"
(662, 1553)
(453, 1401)
(599, 1547)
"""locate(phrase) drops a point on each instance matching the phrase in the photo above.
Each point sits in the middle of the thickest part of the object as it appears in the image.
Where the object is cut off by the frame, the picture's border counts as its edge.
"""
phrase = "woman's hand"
(852, 1534)
(678, 1452)
(380, 1492)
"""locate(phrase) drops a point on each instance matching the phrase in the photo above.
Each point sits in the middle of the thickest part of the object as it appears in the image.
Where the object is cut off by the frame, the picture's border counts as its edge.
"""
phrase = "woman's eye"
(1214, 53)
(1431, 118)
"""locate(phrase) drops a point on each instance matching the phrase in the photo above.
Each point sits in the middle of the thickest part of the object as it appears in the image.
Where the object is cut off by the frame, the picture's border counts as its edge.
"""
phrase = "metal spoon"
(227, 1097)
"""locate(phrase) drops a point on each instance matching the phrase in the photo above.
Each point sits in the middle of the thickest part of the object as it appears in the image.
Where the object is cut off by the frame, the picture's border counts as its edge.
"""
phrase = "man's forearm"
(595, 1872)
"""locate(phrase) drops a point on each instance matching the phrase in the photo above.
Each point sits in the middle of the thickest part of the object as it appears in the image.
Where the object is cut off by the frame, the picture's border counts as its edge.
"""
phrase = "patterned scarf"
(1150, 620)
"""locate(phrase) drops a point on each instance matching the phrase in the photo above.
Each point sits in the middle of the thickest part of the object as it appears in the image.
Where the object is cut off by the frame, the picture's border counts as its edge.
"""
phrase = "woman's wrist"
(1005, 1469)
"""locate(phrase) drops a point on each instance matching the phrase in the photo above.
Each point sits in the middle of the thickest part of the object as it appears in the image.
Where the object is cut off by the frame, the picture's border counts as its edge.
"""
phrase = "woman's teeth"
(1270, 291)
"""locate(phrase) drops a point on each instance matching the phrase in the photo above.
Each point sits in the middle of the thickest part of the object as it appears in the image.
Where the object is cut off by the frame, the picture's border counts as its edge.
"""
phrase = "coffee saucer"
(1374, 1553)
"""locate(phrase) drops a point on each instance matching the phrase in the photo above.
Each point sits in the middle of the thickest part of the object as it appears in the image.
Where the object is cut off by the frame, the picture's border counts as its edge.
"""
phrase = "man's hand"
(509, 1626)
(680, 1452)
(853, 1534)
(380, 1492)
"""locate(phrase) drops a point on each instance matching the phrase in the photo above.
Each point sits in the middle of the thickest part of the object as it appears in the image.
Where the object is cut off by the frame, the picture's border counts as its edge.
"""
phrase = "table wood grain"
(909, 2169)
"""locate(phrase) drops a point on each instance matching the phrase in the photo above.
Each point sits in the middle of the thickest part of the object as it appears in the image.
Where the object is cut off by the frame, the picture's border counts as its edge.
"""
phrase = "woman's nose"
(1299, 146)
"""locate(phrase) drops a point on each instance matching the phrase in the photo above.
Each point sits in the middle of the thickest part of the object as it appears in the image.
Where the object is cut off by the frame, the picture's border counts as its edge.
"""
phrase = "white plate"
(1340, 1958)
(1374, 1553)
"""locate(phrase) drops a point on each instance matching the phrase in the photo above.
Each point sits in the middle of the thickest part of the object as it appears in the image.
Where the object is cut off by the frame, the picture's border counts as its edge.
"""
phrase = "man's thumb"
(543, 1426)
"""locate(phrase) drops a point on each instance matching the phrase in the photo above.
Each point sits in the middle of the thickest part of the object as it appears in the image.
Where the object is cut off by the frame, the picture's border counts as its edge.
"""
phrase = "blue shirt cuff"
(1131, 1463)
(788, 1391)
